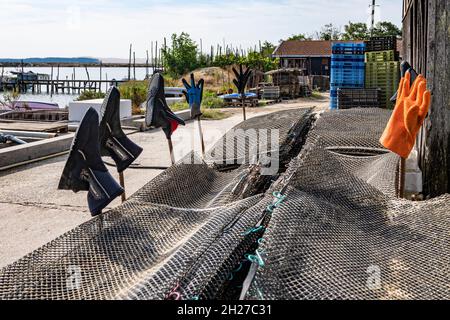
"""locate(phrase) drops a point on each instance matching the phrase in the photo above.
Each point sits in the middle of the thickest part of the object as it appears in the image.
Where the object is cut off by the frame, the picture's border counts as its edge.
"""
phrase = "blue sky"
(105, 28)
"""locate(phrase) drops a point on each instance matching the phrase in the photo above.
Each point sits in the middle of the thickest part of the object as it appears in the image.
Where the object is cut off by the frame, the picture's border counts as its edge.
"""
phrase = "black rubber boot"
(158, 113)
(113, 141)
(85, 170)
(405, 67)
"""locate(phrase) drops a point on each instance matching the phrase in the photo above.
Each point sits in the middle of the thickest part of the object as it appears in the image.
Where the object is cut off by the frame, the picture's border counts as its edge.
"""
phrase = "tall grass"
(90, 95)
(136, 91)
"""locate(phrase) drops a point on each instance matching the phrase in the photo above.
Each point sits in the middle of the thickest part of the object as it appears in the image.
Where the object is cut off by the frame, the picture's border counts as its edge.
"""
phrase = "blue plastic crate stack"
(347, 68)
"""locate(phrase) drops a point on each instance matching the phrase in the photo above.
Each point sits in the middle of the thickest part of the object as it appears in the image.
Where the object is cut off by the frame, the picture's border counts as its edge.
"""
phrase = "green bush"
(136, 91)
(179, 106)
(211, 101)
(90, 95)
(211, 114)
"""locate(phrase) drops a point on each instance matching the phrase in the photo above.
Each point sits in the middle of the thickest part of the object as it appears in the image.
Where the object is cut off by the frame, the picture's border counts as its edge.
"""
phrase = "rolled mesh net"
(244, 142)
(181, 234)
(340, 233)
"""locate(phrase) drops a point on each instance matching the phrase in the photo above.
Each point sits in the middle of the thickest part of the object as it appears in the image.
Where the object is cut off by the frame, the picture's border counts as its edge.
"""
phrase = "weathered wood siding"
(426, 36)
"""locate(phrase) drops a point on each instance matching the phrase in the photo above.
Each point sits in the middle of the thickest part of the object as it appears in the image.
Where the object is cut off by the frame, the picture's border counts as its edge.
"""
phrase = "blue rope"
(280, 198)
(253, 230)
(256, 258)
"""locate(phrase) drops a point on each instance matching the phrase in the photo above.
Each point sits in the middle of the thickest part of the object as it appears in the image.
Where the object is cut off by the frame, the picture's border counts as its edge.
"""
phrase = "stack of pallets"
(383, 67)
(347, 68)
(381, 44)
(358, 98)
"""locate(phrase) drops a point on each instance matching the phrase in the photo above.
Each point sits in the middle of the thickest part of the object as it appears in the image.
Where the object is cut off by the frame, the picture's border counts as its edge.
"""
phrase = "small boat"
(248, 95)
(33, 105)
(4, 108)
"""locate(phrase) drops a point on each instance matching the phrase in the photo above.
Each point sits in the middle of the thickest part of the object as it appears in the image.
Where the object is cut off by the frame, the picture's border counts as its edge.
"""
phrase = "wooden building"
(426, 33)
(311, 57)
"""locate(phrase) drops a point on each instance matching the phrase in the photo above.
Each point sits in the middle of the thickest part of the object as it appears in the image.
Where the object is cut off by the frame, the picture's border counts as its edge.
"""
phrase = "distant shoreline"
(72, 65)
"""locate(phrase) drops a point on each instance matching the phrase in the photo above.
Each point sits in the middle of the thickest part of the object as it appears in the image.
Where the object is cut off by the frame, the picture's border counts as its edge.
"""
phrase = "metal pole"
(122, 184)
(201, 136)
(172, 156)
(373, 17)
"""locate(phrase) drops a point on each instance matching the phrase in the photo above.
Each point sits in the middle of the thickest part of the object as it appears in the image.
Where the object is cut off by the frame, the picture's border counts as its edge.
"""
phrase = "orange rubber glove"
(408, 116)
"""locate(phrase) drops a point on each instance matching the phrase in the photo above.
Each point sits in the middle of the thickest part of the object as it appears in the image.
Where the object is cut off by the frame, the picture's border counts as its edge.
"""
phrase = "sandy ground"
(33, 212)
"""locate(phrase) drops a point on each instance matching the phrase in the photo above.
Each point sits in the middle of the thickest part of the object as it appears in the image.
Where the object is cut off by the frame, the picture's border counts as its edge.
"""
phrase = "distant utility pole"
(373, 17)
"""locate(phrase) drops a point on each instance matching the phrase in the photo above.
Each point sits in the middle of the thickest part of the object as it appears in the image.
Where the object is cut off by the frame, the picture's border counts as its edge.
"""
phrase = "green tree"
(328, 32)
(267, 49)
(356, 31)
(256, 60)
(300, 36)
(182, 57)
(385, 28)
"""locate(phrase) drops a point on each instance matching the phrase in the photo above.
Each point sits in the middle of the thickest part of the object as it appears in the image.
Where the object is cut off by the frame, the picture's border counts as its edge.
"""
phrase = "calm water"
(63, 100)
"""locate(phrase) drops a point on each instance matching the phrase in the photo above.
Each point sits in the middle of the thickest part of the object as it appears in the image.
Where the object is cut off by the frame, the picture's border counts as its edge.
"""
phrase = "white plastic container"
(77, 109)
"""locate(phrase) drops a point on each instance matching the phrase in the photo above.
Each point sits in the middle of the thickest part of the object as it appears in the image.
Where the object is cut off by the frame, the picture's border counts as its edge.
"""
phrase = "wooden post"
(202, 141)
(156, 54)
(100, 84)
(57, 79)
(172, 156)
(162, 56)
(129, 63)
(401, 192)
(152, 61)
(74, 77)
(134, 65)
(122, 184)
(425, 34)
(146, 67)
(243, 106)
(22, 86)
(51, 83)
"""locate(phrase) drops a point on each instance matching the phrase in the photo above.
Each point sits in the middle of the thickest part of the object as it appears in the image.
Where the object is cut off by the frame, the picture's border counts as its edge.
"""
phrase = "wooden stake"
(129, 63)
(402, 178)
(201, 136)
(146, 67)
(134, 65)
(51, 83)
(172, 156)
(243, 107)
(122, 184)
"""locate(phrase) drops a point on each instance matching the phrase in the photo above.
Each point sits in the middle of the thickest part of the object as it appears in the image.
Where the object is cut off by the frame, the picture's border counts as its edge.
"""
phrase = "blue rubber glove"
(194, 96)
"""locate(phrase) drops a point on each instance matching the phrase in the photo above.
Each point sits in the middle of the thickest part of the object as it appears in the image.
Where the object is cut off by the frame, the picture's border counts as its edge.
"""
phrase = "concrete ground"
(33, 212)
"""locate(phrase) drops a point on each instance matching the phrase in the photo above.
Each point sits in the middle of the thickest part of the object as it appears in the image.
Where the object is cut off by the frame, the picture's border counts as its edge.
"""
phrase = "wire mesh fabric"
(181, 235)
(200, 231)
(340, 233)
(240, 144)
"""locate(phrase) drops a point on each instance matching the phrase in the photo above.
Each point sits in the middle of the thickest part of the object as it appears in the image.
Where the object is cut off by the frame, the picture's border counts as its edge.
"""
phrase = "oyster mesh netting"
(182, 232)
(340, 233)
(190, 232)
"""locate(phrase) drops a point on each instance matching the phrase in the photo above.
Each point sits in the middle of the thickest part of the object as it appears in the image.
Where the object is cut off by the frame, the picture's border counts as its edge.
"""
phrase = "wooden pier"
(59, 86)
